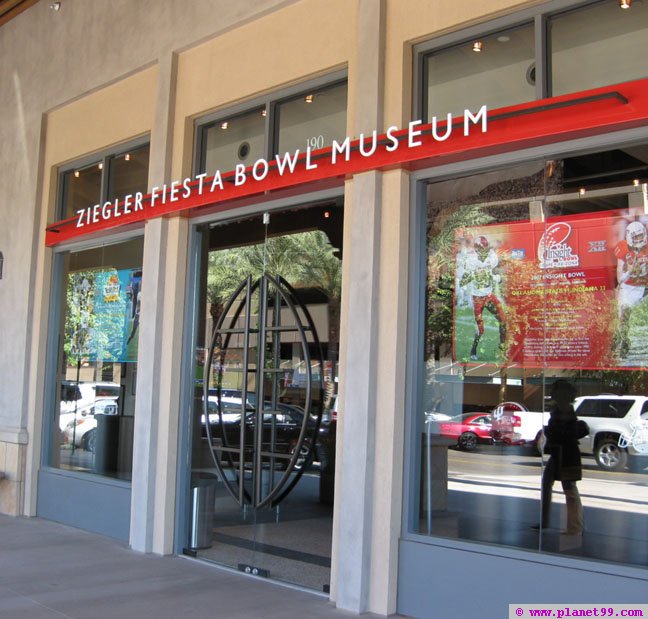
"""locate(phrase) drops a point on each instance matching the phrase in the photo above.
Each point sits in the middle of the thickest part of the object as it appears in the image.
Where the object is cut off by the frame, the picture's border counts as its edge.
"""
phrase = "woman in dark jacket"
(564, 465)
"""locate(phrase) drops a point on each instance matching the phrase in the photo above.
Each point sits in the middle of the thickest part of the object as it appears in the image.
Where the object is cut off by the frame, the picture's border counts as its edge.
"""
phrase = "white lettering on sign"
(289, 163)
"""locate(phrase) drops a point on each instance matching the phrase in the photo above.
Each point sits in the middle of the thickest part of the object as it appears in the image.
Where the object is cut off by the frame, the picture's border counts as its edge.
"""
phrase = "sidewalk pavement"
(52, 571)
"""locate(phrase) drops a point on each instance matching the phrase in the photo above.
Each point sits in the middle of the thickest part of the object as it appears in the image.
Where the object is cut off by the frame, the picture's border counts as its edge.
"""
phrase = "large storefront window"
(96, 378)
(532, 428)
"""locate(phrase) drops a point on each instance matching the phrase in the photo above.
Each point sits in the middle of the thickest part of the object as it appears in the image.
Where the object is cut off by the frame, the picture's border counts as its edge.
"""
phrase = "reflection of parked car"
(81, 430)
(74, 396)
(617, 430)
(514, 424)
(283, 426)
(468, 430)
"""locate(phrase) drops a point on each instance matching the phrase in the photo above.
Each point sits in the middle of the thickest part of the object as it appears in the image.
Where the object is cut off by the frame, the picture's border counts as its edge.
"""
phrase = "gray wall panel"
(90, 504)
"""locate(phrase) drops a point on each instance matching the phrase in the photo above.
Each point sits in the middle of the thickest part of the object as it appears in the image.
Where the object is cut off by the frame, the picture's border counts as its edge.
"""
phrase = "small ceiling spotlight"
(327, 214)
(635, 182)
(625, 4)
(77, 173)
(308, 98)
(264, 112)
(224, 125)
(100, 166)
(55, 6)
(477, 46)
(127, 157)
(581, 191)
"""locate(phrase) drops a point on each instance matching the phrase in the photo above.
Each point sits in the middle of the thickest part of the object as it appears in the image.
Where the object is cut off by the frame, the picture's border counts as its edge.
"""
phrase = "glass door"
(265, 392)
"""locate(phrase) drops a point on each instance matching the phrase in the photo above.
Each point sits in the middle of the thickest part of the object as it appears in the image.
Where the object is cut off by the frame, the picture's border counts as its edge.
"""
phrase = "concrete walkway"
(52, 571)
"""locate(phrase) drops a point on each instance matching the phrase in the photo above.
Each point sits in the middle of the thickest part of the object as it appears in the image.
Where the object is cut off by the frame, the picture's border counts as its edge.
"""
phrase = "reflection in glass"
(312, 120)
(598, 45)
(97, 360)
(129, 173)
(240, 139)
(536, 274)
(81, 188)
(498, 72)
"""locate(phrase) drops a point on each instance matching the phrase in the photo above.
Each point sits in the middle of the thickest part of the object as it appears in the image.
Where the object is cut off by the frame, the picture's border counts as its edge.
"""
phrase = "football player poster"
(568, 292)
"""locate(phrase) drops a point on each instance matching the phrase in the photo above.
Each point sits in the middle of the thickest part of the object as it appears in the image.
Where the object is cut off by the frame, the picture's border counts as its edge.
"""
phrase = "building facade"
(288, 286)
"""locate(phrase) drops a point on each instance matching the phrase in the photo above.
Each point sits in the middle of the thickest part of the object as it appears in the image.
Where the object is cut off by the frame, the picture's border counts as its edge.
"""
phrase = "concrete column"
(160, 338)
(352, 544)
(148, 398)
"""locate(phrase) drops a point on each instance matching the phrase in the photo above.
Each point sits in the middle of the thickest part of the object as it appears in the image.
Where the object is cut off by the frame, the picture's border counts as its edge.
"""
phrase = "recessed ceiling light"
(477, 46)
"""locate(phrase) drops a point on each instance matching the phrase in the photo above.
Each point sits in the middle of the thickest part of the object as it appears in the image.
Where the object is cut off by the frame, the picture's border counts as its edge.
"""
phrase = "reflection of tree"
(91, 331)
(304, 260)
(79, 316)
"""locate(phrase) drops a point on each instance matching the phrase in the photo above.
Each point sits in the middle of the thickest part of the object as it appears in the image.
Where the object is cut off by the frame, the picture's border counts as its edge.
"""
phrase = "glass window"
(97, 360)
(240, 139)
(129, 173)
(528, 432)
(81, 188)
(312, 120)
(496, 70)
(598, 45)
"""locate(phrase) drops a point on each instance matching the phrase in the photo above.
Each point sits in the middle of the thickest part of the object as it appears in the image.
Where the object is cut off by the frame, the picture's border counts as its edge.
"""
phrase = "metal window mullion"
(272, 136)
(542, 57)
(105, 178)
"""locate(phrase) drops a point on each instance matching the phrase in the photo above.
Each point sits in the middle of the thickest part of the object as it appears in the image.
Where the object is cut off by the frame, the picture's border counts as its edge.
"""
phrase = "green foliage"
(304, 260)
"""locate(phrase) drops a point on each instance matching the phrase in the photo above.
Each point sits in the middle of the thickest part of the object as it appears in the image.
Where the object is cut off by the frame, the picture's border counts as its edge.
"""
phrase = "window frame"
(104, 157)
(271, 102)
(539, 16)
(50, 399)
(417, 270)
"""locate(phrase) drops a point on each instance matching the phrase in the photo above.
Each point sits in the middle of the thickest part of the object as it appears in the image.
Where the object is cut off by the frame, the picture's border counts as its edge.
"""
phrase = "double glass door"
(264, 414)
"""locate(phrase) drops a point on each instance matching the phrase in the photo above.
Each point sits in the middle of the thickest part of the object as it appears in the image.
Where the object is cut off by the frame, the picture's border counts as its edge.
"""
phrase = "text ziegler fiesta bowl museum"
(286, 164)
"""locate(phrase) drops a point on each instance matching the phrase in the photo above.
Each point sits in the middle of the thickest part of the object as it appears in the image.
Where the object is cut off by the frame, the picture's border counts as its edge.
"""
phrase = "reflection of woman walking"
(564, 465)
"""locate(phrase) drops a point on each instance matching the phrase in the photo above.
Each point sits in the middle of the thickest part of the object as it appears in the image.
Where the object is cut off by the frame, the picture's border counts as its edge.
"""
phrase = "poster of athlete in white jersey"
(631, 253)
(480, 280)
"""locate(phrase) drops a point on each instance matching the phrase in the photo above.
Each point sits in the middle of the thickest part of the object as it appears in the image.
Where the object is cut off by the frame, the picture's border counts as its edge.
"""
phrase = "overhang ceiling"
(10, 8)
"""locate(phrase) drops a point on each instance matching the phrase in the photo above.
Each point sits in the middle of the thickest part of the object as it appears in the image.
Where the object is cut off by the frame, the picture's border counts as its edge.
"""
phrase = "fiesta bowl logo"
(111, 289)
(553, 251)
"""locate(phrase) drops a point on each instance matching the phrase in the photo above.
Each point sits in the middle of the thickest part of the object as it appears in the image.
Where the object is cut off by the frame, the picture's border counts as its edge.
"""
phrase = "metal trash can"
(203, 497)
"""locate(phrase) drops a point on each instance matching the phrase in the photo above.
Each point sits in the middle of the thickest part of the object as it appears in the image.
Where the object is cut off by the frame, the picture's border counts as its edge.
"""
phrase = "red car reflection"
(468, 430)
(506, 424)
